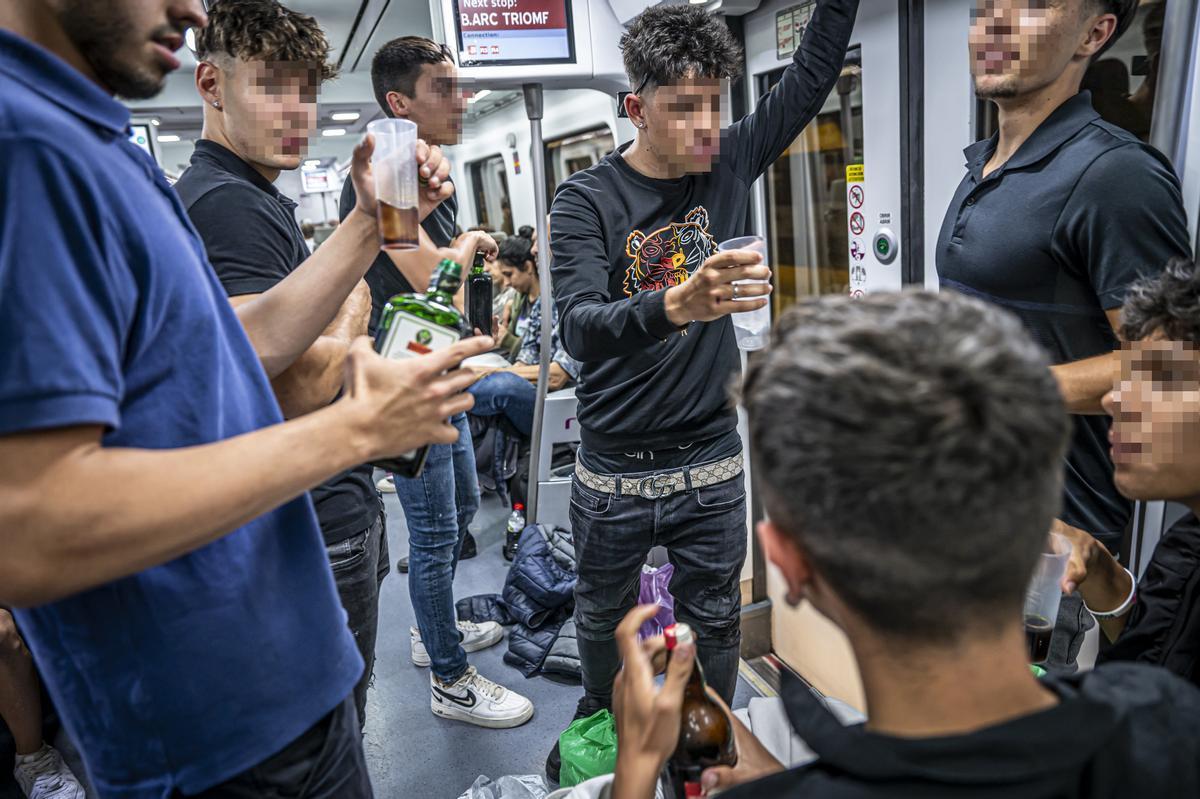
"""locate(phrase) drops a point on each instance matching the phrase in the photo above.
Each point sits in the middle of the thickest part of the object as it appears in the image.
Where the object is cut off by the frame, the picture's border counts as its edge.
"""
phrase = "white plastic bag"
(525, 786)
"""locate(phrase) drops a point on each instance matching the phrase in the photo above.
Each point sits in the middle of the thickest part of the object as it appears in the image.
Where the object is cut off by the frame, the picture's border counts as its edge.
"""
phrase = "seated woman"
(510, 392)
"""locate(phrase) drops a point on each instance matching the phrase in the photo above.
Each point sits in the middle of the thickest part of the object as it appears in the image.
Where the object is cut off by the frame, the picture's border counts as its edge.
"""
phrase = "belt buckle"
(660, 484)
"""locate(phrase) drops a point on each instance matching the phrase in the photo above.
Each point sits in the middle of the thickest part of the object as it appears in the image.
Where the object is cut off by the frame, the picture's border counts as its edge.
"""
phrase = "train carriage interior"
(853, 205)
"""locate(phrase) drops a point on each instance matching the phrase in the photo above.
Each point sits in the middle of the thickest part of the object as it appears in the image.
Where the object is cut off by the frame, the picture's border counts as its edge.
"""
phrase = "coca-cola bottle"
(705, 730)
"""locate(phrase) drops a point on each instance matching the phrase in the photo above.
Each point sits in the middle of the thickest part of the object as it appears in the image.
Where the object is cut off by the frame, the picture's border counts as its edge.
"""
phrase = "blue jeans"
(506, 393)
(704, 531)
(438, 506)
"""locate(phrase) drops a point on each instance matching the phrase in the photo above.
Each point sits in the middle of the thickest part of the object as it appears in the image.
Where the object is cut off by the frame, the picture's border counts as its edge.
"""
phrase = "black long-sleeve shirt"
(620, 239)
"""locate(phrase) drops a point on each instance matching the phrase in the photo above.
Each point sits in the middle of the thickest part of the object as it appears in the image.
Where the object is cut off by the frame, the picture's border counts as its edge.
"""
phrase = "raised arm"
(75, 514)
(284, 322)
(758, 139)
(315, 378)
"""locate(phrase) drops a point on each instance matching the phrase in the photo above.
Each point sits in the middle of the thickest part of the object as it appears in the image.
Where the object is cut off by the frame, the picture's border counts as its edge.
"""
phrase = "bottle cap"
(518, 506)
(692, 789)
(676, 634)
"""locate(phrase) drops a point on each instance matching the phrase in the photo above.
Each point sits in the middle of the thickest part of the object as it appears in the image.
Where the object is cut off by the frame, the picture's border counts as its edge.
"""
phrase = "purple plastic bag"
(654, 586)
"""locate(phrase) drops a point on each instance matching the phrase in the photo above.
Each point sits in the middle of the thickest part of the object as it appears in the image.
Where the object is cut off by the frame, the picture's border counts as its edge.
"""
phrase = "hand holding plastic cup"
(749, 327)
(1043, 595)
(394, 166)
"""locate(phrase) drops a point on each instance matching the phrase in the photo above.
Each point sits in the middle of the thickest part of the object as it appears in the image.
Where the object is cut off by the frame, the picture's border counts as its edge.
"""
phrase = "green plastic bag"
(588, 749)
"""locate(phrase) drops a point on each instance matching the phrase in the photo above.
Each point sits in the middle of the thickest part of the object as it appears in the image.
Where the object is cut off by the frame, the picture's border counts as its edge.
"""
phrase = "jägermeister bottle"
(418, 324)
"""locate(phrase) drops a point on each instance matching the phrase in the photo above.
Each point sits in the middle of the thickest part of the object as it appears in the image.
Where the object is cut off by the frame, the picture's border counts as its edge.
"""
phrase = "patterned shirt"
(530, 353)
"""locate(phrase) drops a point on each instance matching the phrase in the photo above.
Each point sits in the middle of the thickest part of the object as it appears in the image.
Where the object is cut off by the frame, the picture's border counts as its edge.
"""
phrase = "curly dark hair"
(666, 43)
(1167, 303)
(264, 30)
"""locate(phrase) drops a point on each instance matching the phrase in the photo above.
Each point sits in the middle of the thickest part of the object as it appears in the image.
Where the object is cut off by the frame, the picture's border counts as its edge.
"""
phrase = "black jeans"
(359, 565)
(325, 762)
(704, 531)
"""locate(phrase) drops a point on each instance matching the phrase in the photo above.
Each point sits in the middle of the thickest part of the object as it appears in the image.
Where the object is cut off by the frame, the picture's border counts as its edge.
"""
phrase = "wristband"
(1123, 608)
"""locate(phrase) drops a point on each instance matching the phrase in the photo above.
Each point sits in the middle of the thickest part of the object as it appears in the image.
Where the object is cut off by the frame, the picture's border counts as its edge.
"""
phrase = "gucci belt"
(661, 484)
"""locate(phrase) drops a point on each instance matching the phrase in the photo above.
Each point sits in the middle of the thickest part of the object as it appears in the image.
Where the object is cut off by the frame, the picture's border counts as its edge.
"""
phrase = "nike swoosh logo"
(467, 701)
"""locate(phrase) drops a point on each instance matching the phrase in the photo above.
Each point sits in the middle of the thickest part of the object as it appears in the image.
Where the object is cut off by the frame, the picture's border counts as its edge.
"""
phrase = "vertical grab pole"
(537, 158)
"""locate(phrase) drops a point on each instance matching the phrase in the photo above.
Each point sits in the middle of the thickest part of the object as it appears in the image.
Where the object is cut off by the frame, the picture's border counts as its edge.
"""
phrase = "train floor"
(406, 745)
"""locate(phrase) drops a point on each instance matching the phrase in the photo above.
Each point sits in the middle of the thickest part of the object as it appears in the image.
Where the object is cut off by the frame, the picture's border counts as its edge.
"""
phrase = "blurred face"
(129, 44)
(1020, 46)
(438, 104)
(269, 109)
(1156, 420)
(521, 280)
(683, 123)
(499, 280)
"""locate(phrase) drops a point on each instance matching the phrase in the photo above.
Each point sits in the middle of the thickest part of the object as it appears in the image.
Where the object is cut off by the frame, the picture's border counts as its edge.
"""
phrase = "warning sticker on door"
(857, 195)
(857, 223)
(855, 173)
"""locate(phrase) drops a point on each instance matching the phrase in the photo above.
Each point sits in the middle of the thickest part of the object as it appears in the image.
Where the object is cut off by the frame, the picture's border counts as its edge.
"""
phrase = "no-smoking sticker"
(857, 196)
(857, 223)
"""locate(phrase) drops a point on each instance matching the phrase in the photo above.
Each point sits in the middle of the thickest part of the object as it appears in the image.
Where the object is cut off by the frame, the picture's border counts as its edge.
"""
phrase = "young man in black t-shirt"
(892, 535)
(1058, 214)
(415, 79)
(1155, 410)
(643, 302)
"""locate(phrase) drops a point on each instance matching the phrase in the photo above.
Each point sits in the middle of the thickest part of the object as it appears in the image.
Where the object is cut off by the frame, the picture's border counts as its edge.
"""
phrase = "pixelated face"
(1156, 420)
(1018, 46)
(130, 45)
(496, 270)
(683, 123)
(270, 109)
(439, 104)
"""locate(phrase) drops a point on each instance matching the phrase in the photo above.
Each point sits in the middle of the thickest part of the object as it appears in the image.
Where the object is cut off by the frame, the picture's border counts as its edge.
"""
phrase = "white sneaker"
(44, 775)
(386, 485)
(474, 637)
(477, 700)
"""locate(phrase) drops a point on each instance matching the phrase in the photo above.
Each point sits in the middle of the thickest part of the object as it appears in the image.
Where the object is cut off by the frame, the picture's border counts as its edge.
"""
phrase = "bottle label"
(411, 336)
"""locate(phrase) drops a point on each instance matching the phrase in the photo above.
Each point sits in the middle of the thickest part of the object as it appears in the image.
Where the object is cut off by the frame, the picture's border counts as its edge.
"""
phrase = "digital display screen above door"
(514, 32)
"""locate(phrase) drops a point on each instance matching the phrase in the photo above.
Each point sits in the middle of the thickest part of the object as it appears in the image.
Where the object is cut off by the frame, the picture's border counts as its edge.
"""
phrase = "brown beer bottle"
(705, 732)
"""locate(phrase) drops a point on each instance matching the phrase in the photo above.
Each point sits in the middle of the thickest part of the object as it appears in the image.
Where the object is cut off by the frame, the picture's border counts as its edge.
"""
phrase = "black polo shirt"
(252, 239)
(385, 280)
(1121, 730)
(1056, 236)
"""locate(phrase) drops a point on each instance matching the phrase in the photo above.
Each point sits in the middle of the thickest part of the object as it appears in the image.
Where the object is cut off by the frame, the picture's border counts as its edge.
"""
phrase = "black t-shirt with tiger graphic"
(619, 239)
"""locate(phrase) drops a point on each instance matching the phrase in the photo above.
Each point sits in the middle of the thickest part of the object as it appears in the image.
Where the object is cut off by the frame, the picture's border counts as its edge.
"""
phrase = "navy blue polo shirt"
(1057, 235)
(186, 674)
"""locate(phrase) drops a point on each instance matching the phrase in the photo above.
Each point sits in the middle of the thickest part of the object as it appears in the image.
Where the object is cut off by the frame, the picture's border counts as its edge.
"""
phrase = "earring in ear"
(216, 104)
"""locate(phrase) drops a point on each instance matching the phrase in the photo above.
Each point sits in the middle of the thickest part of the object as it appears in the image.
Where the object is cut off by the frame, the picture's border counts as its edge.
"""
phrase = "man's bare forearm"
(85, 514)
(284, 322)
(1084, 383)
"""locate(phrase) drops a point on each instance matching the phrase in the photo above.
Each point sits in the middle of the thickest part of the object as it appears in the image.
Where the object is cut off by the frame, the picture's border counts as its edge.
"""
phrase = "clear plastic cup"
(394, 166)
(1043, 595)
(750, 327)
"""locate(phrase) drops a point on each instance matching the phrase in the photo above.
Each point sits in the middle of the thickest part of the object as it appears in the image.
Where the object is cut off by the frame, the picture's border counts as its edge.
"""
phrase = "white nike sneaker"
(477, 700)
(44, 775)
(386, 485)
(474, 637)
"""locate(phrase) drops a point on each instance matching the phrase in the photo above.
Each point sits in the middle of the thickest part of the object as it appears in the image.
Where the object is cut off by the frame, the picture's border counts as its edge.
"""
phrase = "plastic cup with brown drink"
(394, 166)
(1043, 595)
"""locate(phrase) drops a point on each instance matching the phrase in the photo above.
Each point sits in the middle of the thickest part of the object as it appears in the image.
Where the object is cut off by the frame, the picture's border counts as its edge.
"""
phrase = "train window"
(806, 194)
(489, 181)
(570, 154)
(1123, 81)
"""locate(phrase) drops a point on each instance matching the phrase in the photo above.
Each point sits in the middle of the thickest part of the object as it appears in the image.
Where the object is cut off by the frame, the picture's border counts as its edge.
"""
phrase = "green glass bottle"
(418, 324)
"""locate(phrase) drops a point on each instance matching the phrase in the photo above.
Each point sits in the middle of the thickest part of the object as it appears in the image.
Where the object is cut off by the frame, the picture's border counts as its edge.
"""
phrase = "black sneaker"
(584, 709)
(402, 565)
(468, 550)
